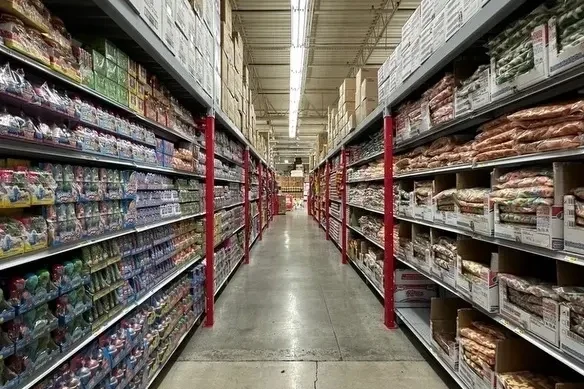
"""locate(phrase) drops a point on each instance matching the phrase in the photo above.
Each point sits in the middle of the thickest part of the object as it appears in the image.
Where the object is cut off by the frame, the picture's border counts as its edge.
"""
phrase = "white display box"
(407, 67)
(448, 276)
(182, 51)
(151, 13)
(438, 30)
(443, 318)
(481, 224)
(452, 18)
(414, 296)
(573, 233)
(568, 57)
(481, 95)
(169, 30)
(200, 68)
(549, 230)
(482, 291)
(570, 342)
(427, 9)
(199, 34)
(191, 61)
(423, 210)
(462, 105)
(136, 4)
(182, 15)
(410, 277)
(411, 28)
(538, 73)
(545, 327)
(426, 43)
(422, 262)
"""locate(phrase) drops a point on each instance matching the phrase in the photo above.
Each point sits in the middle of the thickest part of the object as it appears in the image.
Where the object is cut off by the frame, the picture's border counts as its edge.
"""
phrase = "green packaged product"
(122, 77)
(100, 83)
(87, 78)
(111, 89)
(106, 48)
(98, 63)
(111, 70)
(122, 95)
(122, 60)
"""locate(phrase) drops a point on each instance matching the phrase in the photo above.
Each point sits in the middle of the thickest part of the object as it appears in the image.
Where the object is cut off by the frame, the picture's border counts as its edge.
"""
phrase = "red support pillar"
(210, 218)
(344, 206)
(389, 261)
(327, 171)
(309, 199)
(268, 197)
(260, 190)
(246, 204)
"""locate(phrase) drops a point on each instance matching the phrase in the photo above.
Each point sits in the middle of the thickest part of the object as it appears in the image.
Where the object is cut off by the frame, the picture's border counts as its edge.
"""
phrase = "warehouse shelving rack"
(417, 319)
(118, 21)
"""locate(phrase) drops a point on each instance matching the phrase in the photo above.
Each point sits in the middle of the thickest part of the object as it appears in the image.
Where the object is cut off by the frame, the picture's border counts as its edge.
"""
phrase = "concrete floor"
(296, 318)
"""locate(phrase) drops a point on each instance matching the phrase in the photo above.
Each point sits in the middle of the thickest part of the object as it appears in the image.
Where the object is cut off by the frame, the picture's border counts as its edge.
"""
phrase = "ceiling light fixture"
(286, 161)
(299, 12)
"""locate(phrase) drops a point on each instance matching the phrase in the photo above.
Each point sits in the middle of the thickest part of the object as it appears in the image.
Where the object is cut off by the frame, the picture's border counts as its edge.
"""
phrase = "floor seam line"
(331, 320)
(316, 375)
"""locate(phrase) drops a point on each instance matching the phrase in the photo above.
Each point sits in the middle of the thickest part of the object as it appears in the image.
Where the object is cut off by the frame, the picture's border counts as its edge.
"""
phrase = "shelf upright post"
(309, 198)
(344, 206)
(327, 170)
(268, 197)
(246, 204)
(210, 217)
(389, 262)
(260, 190)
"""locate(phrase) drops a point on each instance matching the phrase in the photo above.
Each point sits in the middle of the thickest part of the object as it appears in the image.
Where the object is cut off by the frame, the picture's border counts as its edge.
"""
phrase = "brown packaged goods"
(575, 317)
(490, 155)
(526, 182)
(523, 201)
(479, 337)
(517, 209)
(441, 146)
(446, 207)
(527, 380)
(550, 122)
(447, 194)
(468, 204)
(443, 96)
(480, 360)
(573, 294)
(580, 221)
(472, 195)
(474, 366)
(526, 173)
(518, 218)
(578, 192)
(560, 143)
(579, 208)
(495, 130)
(501, 146)
(547, 111)
(493, 123)
(550, 131)
(445, 82)
(475, 269)
(490, 329)
(443, 263)
(473, 346)
(445, 247)
(533, 191)
(517, 283)
(473, 210)
(496, 139)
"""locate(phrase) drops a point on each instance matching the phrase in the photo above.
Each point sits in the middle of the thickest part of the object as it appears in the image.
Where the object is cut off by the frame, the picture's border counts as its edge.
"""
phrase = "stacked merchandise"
(372, 170)
(573, 298)
(529, 379)
(473, 84)
(227, 148)
(423, 192)
(422, 248)
(444, 151)
(228, 195)
(367, 195)
(440, 101)
(445, 200)
(370, 148)
(372, 227)
(335, 230)
(253, 208)
(335, 210)
(335, 185)
(408, 119)
(527, 292)
(520, 192)
(478, 344)
(368, 258)
(227, 172)
(445, 253)
(472, 200)
(226, 222)
(474, 271)
(183, 159)
(227, 258)
(191, 196)
(199, 162)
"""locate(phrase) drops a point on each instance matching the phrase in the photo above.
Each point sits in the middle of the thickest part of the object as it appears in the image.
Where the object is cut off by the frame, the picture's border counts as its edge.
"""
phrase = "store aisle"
(296, 318)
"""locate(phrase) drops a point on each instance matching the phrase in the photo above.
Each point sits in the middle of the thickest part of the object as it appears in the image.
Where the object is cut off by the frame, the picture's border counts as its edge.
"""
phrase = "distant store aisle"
(296, 316)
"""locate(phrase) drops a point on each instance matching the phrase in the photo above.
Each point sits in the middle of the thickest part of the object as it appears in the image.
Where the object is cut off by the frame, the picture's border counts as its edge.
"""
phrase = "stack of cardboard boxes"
(366, 93)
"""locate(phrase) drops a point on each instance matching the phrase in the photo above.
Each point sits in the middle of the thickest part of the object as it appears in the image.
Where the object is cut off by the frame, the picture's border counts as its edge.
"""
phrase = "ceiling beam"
(325, 65)
(287, 91)
(328, 12)
(323, 47)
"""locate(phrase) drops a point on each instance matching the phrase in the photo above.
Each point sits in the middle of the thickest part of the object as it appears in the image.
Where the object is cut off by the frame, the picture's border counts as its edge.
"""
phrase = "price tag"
(571, 259)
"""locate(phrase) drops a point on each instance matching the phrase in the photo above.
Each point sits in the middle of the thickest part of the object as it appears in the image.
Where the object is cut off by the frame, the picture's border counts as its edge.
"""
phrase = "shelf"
(337, 244)
(197, 322)
(229, 160)
(253, 241)
(365, 160)
(229, 206)
(229, 180)
(227, 236)
(226, 280)
(51, 251)
(368, 279)
(226, 123)
(358, 231)
(418, 321)
(370, 179)
(335, 200)
(378, 211)
(337, 218)
(560, 255)
(541, 344)
(95, 334)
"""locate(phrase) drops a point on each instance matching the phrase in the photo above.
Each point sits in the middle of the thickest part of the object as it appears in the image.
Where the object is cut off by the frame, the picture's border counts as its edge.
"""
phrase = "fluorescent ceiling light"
(286, 161)
(298, 22)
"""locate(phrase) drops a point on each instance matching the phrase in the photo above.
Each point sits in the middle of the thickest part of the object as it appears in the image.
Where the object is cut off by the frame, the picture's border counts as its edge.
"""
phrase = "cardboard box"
(365, 73)
(453, 19)
(469, 9)
(443, 318)
(151, 13)
(169, 29)
(423, 210)
(406, 207)
(421, 260)
(368, 90)
(549, 230)
(441, 183)
(427, 12)
(479, 224)
(347, 89)
(182, 14)
(448, 276)
(523, 264)
(226, 12)
(438, 30)
(483, 291)
(426, 47)
(414, 296)
(538, 73)
(562, 58)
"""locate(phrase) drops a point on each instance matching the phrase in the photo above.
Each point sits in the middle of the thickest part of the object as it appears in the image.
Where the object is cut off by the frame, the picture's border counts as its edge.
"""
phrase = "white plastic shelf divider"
(418, 321)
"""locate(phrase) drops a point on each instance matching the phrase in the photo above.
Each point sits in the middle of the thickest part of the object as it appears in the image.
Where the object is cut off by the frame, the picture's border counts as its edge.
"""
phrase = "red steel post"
(268, 197)
(210, 218)
(327, 171)
(246, 204)
(260, 190)
(344, 206)
(389, 261)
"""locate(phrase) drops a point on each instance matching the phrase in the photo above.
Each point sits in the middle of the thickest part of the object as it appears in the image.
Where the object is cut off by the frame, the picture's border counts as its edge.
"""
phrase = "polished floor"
(296, 318)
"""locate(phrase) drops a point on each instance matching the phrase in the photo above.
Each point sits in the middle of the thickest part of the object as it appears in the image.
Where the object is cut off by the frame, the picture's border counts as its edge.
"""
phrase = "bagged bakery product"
(546, 171)
(472, 195)
(526, 192)
(474, 269)
(527, 380)
(518, 218)
(548, 111)
(550, 131)
(482, 338)
(490, 329)
(526, 182)
(508, 135)
(523, 201)
(573, 294)
(517, 209)
(496, 154)
(473, 346)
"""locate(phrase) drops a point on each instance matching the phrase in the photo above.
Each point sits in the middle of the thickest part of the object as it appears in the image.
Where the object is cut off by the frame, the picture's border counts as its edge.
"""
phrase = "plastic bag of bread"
(472, 195)
(475, 269)
(490, 329)
(560, 143)
(479, 337)
(474, 366)
(495, 147)
(496, 154)
(550, 131)
(495, 130)
(526, 182)
(532, 191)
(526, 173)
(517, 209)
(527, 380)
(475, 347)
(496, 139)
(524, 201)
(518, 218)
(482, 360)
(515, 282)
(548, 111)
(447, 194)
(573, 294)
(550, 122)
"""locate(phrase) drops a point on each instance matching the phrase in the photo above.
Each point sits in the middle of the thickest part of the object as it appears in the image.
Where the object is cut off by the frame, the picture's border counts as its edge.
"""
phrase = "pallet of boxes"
(365, 93)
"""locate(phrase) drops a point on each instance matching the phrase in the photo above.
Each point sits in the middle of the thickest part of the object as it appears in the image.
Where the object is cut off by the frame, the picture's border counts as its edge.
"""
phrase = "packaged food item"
(548, 111)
